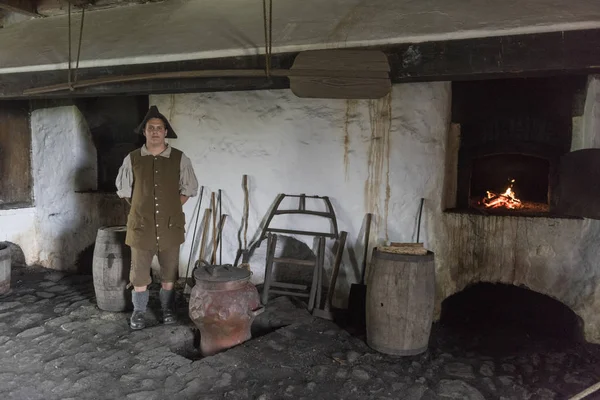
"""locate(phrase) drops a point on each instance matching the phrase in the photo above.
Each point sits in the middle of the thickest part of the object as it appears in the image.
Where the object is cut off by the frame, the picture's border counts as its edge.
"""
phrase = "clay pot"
(223, 304)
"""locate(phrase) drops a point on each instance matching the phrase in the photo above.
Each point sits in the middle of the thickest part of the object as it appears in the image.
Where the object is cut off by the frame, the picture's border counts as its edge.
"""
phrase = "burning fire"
(508, 199)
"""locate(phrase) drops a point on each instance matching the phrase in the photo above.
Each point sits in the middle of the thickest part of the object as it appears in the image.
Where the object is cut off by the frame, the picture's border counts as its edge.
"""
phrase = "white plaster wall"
(591, 114)
(368, 156)
(18, 226)
(64, 162)
(62, 224)
(382, 157)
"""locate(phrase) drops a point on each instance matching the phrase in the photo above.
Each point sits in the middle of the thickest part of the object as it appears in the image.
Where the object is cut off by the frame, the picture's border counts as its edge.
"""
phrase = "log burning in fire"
(508, 199)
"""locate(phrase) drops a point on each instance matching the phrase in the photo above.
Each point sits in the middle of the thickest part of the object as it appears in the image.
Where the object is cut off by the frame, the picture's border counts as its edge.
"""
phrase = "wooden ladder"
(292, 289)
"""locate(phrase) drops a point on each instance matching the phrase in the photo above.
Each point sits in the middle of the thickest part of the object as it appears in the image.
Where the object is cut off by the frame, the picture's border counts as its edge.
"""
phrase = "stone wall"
(58, 232)
(380, 157)
(377, 156)
(556, 257)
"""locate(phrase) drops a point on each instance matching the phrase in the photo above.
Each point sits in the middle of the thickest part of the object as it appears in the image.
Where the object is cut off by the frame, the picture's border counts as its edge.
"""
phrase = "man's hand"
(183, 199)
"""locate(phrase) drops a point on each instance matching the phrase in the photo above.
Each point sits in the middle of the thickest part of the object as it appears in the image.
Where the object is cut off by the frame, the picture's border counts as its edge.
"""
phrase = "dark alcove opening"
(500, 317)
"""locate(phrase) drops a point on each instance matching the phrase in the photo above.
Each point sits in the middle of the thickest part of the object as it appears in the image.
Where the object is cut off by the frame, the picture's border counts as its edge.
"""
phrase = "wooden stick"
(336, 269)
(213, 206)
(205, 225)
(187, 271)
(202, 238)
(320, 266)
(220, 230)
(219, 235)
(586, 392)
(246, 209)
(366, 255)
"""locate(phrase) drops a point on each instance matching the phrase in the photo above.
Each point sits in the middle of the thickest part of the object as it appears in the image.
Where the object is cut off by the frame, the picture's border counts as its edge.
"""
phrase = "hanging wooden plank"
(511, 56)
(342, 60)
(338, 86)
(351, 74)
(231, 73)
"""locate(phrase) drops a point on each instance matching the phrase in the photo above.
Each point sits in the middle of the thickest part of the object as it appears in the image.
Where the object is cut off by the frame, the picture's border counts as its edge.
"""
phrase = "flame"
(508, 199)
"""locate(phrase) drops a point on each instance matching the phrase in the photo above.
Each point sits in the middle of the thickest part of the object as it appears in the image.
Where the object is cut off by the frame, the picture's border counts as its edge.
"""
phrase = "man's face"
(155, 131)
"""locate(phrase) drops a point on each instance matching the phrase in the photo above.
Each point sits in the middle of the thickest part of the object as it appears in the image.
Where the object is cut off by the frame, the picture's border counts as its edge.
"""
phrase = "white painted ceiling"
(178, 30)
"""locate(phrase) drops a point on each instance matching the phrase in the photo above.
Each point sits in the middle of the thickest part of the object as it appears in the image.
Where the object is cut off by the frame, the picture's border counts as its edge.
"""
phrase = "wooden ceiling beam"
(532, 55)
(25, 7)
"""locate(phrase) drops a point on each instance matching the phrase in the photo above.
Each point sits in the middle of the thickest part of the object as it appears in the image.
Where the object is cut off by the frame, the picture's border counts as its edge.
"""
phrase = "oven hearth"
(512, 136)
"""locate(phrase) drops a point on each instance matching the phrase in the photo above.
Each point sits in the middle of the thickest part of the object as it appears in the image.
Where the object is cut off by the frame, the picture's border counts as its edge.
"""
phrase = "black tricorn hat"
(154, 113)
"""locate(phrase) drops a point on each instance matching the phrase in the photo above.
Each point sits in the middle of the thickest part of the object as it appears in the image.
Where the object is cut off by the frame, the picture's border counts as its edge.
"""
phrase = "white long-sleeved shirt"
(188, 184)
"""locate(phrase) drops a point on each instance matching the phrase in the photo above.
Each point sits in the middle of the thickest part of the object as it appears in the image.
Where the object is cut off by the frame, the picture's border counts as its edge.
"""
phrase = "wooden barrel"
(5, 265)
(400, 301)
(111, 265)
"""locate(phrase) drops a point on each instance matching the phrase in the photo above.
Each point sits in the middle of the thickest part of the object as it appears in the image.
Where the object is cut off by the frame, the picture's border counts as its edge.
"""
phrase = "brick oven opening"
(510, 182)
(513, 133)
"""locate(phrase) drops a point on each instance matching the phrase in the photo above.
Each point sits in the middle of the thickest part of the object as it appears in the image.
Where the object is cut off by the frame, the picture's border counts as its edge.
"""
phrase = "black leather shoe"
(137, 320)
(168, 316)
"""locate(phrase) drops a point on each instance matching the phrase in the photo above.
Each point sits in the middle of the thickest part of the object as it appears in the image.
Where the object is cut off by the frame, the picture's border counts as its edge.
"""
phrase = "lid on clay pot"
(221, 273)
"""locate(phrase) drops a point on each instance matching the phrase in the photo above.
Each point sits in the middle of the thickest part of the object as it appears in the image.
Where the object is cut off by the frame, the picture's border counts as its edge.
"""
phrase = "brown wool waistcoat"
(156, 220)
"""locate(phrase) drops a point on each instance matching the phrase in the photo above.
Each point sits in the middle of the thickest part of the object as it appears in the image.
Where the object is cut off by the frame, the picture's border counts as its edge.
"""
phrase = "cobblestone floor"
(56, 344)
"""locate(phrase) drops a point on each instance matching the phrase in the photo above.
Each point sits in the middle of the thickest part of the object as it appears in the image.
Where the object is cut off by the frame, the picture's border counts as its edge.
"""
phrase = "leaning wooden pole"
(586, 392)
(213, 259)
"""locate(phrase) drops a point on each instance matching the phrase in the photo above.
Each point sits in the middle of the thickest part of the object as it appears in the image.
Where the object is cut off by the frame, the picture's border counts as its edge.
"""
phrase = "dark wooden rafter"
(536, 54)
(540, 54)
(26, 7)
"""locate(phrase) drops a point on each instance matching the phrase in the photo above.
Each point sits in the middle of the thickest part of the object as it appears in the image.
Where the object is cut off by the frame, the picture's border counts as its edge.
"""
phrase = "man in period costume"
(156, 180)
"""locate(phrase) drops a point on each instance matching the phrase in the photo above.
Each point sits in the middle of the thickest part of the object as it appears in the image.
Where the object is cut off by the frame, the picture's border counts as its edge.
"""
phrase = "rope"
(69, 8)
(268, 34)
(71, 81)
(79, 47)
(270, 31)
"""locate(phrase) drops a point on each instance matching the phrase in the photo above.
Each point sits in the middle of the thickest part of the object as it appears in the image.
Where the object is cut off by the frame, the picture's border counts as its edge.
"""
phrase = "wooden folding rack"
(269, 233)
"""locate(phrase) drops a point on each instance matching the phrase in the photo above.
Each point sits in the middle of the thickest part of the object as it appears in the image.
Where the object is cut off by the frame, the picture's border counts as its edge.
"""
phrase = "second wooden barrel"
(111, 266)
(400, 301)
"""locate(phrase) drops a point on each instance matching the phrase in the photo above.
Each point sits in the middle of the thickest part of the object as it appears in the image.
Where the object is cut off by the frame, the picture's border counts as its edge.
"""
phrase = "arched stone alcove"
(497, 309)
